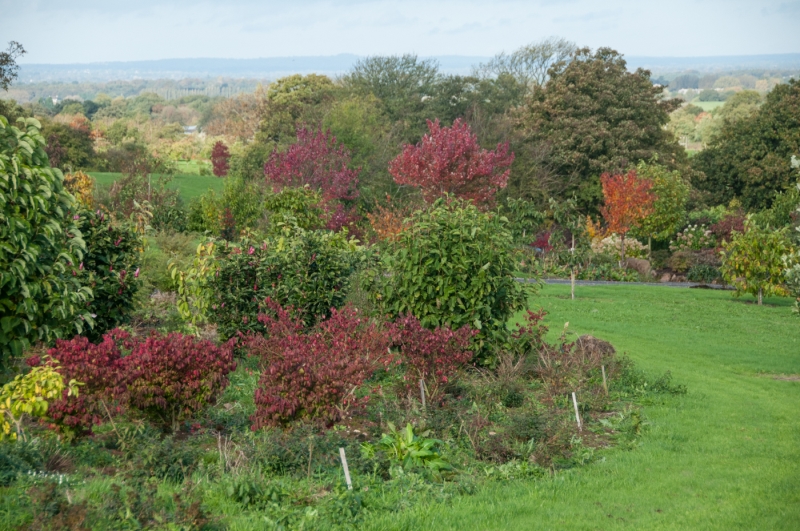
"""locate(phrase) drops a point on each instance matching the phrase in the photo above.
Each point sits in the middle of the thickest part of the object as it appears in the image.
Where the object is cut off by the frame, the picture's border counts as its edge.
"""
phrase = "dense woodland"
(354, 282)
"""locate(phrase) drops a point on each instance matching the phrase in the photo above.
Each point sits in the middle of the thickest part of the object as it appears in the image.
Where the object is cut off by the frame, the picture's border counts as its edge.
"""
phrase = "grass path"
(725, 456)
(190, 185)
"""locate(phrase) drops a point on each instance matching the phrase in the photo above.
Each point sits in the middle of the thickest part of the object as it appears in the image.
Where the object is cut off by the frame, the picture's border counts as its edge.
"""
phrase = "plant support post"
(422, 392)
(346, 470)
(577, 415)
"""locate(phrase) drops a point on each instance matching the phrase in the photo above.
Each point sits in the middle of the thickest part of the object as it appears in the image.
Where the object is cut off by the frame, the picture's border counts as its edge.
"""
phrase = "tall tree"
(749, 158)
(593, 116)
(9, 69)
(671, 192)
(528, 65)
(627, 202)
(403, 84)
(449, 160)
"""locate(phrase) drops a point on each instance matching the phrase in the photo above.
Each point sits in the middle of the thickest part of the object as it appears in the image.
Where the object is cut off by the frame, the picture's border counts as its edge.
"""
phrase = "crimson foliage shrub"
(313, 375)
(170, 378)
(434, 356)
(98, 368)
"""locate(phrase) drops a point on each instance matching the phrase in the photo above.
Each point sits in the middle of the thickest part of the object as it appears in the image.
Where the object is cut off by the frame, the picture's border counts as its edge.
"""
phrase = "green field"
(708, 106)
(725, 456)
(190, 185)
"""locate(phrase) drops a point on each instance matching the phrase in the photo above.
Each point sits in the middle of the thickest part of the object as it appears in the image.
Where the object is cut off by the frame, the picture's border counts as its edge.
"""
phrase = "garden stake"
(346, 470)
(422, 391)
(577, 415)
(605, 383)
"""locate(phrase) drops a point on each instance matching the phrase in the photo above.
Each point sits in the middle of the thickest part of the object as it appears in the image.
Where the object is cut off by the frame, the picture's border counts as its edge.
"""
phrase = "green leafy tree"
(748, 158)
(753, 260)
(594, 116)
(671, 192)
(452, 267)
(403, 84)
(9, 69)
(292, 102)
(40, 244)
(530, 64)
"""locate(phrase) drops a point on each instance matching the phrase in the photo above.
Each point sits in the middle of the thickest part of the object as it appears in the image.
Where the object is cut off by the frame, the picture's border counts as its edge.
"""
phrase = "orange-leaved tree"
(627, 202)
(449, 160)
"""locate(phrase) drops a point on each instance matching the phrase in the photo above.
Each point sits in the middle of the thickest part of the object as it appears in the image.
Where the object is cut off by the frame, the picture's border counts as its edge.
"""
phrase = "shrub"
(308, 270)
(434, 356)
(39, 299)
(81, 186)
(97, 367)
(30, 394)
(171, 377)
(612, 245)
(454, 267)
(110, 268)
(724, 228)
(693, 238)
(303, 206)
(313, 375)
(702, 273)
(752, 262)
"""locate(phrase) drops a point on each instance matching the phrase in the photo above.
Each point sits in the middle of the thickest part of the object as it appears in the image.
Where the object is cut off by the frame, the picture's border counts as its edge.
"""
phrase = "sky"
(83, 31)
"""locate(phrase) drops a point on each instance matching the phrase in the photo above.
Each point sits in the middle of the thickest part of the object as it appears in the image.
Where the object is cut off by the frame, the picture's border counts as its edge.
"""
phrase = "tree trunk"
(760, 296)
(649, 248)
(622, 251)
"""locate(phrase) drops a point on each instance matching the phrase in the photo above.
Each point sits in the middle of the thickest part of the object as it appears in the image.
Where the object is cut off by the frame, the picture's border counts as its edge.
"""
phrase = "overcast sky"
(77, 31)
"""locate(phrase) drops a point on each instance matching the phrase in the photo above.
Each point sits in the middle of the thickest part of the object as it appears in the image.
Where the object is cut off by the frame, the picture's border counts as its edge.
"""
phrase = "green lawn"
(725, 456)
(190, 185)
(708, 106)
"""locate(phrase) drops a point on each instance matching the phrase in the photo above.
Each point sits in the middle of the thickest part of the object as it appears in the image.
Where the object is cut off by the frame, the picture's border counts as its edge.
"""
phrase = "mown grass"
(189, 185)
(724, 456)
(708, 106)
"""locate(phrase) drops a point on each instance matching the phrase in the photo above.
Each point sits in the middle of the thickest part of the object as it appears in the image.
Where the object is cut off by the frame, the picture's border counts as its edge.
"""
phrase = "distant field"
(708, 105)
(190, 186)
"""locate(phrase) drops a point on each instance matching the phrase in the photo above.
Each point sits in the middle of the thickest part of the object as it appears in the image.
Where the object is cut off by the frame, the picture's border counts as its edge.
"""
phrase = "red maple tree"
(219, 159)
(317, 160)
(450, 160)
(627, 201)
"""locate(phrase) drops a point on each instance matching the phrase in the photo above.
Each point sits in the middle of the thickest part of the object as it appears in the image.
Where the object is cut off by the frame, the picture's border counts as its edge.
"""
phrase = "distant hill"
(263, 68)
(786, 61)
(275, 67)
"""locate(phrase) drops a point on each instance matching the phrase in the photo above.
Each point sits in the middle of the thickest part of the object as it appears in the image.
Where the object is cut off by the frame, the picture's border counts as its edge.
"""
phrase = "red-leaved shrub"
(170, 378)
(434, 356)
(97, 367)
(313, 375)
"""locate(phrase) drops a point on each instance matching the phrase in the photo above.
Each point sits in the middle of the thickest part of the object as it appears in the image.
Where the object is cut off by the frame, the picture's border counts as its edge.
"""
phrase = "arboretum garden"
(335, 307)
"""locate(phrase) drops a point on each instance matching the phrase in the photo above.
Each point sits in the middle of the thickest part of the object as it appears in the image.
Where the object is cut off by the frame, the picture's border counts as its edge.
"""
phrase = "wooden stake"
(605, 383)
(346, 470)
(422, 392)
(577, 415)
(572, 282)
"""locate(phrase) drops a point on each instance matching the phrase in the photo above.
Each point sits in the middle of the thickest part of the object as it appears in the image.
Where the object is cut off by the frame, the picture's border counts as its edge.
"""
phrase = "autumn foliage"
(434, 356)
(313, 375)
(219, 159)
(627, 202)
(166, 378)
(317, 160)
(449, 160)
